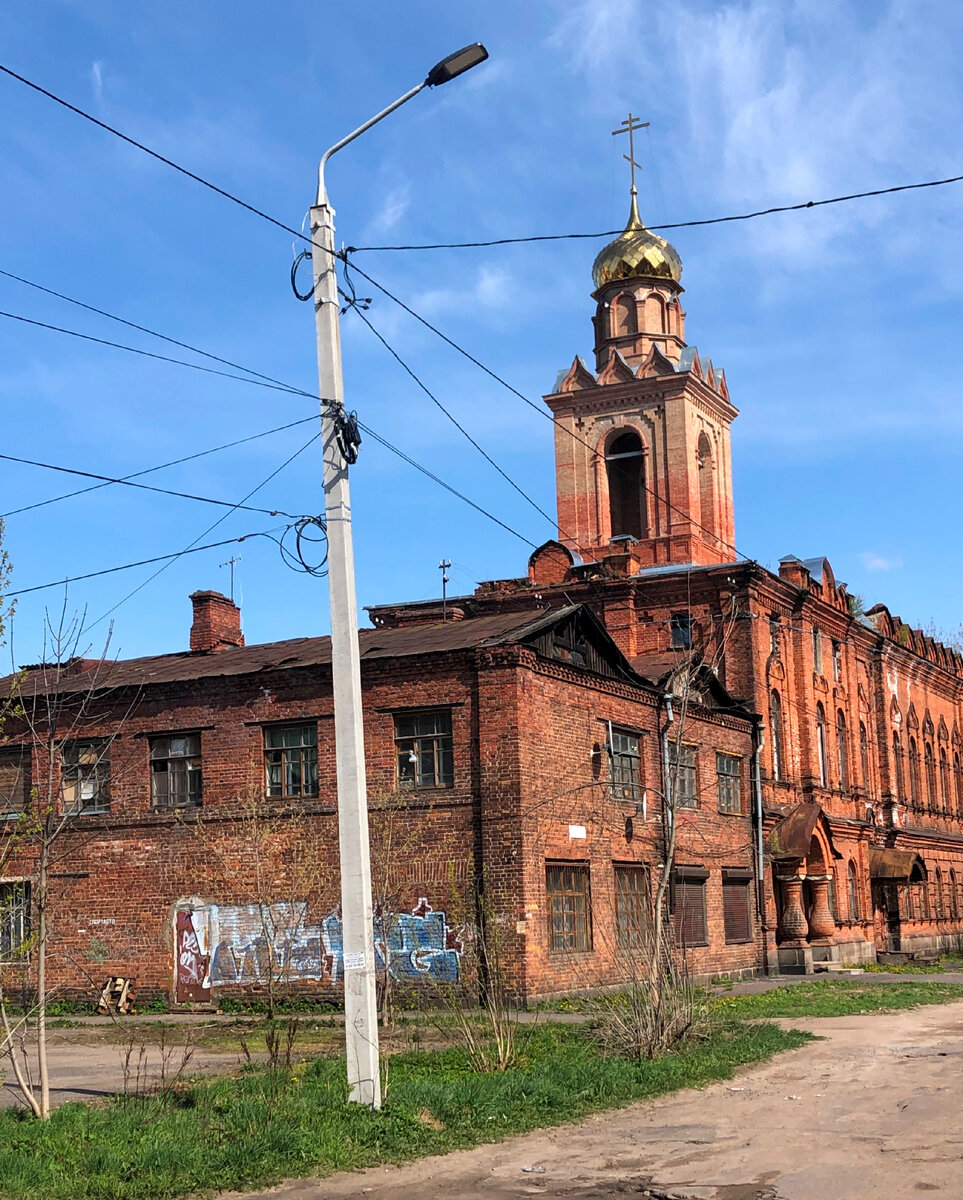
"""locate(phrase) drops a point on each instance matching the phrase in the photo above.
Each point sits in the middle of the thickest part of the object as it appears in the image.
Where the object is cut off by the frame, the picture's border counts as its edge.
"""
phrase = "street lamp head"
(456, 64)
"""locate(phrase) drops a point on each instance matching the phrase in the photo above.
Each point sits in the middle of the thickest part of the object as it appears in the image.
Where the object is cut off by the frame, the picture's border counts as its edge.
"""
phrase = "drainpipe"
(667, 810)
(758, 741)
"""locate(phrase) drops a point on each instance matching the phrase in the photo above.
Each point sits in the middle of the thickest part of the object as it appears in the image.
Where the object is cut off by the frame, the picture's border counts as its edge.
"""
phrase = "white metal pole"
(360, 1005)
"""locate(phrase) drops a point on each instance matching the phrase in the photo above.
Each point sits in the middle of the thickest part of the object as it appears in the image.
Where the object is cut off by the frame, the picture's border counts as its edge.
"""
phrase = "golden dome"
(636, 253)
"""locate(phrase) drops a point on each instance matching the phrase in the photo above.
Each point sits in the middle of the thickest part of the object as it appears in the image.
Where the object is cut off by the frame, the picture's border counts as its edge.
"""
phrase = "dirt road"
(875, 1110)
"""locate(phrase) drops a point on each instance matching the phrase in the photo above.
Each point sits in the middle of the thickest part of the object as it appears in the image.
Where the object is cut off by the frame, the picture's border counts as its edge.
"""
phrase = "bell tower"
(642, 459)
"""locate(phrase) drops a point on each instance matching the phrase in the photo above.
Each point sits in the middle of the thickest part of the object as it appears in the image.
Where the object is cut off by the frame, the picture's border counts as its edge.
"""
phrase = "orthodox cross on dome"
(630, 126)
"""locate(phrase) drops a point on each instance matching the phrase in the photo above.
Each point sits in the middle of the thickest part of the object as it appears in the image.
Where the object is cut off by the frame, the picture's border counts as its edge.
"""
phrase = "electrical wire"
(287, 387)
(180, 362)
(220, 520)
(454, 420)
(226, 362)
(160, 467)
(748, 216)
(441, 483)
(144, 562)
(147, 487)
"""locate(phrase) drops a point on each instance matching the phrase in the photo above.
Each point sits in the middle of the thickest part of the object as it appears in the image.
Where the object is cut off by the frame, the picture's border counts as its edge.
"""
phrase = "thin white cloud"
(878, 562)
(97, 80)
(493, 288)
(394, 206)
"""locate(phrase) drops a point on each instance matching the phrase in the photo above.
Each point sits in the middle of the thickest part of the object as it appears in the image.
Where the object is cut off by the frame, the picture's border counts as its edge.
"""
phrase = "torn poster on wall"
(414, 946)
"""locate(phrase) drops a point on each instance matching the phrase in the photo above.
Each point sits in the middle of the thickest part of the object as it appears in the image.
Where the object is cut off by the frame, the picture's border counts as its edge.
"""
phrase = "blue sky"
(838, 328)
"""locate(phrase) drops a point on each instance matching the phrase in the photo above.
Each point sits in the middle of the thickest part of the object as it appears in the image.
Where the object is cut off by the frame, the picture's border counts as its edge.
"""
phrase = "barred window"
(569, 907)
(14, 781)
(291, 760)
(625, 758)
(682, 771)
(633, 905)
(728, 769)
(86, 777)
(175, 770)
(423, 747)
(689, 907)
(736, 905)
(14, 919)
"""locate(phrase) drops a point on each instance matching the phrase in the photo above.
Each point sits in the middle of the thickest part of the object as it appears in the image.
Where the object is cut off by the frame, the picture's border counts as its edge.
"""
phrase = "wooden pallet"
(117, 996)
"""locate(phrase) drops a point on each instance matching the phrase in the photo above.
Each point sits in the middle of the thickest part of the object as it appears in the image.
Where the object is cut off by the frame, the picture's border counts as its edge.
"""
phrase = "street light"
(339, 440)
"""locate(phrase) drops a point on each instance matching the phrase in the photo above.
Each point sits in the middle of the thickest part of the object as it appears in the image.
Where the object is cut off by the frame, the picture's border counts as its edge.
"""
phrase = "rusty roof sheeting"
(439, 638)
(887, 863)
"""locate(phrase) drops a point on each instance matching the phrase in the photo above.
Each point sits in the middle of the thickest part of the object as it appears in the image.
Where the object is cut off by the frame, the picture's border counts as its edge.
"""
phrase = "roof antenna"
(444, 567)
(232, 563)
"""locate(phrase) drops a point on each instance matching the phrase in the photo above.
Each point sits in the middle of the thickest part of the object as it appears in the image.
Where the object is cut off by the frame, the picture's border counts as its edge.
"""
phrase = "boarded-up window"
(689, 907)
(14, 781)
(86, 777)
(737, 905)
(632, 905)
(569, 907)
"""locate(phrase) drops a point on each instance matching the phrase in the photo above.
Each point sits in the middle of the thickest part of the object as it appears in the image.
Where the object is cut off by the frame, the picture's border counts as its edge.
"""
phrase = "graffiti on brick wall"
(252, 942)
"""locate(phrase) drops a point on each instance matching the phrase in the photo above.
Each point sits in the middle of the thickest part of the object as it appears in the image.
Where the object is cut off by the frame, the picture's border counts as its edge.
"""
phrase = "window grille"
(569, 907)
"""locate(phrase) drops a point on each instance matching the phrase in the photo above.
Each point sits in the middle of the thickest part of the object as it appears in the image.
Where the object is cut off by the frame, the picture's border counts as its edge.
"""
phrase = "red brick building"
(516, 751)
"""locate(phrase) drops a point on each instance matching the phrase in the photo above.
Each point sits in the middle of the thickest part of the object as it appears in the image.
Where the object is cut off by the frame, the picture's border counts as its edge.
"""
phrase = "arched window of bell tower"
(625, 471)
(624, 319)
(707, 493)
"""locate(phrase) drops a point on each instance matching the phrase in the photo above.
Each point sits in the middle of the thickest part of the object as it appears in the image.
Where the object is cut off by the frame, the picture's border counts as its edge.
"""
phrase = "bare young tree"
(52, 710)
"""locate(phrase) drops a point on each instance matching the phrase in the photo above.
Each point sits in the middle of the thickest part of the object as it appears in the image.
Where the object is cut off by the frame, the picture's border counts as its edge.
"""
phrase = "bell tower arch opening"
(625, 475)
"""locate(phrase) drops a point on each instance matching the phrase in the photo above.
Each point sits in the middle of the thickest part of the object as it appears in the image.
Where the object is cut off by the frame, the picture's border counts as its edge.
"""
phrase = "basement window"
(291, 761)
(424, 749)
(175, 771)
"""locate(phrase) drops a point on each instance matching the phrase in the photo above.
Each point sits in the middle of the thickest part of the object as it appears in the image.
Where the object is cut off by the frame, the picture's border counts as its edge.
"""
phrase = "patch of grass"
(949, 962)
(252, 1131)
(834, 998)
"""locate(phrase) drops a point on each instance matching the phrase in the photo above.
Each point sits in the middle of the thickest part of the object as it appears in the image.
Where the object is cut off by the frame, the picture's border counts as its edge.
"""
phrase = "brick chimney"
(217, 623)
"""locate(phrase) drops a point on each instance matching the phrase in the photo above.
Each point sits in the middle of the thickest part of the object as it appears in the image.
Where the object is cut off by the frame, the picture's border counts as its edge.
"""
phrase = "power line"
(146, 149)
(144, 562)
(454, 420)
(180, 362)
(441, 483)
(220, 520)
(147, 487)
(149, 470)
(286, 387)
(761, 212)
(143, 329)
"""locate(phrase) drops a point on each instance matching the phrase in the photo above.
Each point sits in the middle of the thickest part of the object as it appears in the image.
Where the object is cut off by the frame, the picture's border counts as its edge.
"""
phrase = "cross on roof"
(629, 126)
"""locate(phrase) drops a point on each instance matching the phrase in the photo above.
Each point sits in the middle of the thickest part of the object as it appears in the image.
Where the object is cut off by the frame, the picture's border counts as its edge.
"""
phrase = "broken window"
(14, 781)
(569, 907)
(291, 760)
(625, 760)
(680, 625)
(86, 777)
(14, 919)
(424, 750)
(175, 770)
